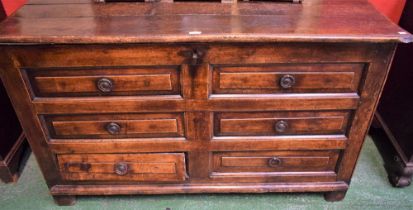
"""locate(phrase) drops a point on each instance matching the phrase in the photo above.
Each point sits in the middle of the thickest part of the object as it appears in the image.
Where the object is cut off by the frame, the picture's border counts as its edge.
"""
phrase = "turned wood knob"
(113, 128)
(281, 126)
(287, 81)
(121, 169)
(105, 85)
(274, 162)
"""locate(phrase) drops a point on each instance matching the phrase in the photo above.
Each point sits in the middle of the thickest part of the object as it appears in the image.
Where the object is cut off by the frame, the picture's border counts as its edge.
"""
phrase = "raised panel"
(268, 123)
(288, 162)
(285, 161)
(104, 81)
(159, 167)
(125, 125)
(266, 79)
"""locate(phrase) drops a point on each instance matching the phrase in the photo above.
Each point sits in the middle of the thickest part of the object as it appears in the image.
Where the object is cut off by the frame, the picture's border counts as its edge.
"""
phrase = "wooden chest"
(139, 98)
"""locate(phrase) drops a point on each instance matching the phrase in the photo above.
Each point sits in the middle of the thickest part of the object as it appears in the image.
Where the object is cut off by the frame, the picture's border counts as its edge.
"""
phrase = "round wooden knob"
(287, 81)
(121, 169)
(113, 128)
(281, 126)
(274, 162)
(105, 85)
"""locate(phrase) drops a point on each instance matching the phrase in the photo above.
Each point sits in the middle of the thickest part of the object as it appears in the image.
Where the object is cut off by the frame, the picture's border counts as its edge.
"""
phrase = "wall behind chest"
(7, 7)
(391, 9)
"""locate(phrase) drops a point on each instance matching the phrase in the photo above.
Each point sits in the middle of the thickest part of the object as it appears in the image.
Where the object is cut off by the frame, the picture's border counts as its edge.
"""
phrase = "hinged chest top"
(85, 21)
(196, 97)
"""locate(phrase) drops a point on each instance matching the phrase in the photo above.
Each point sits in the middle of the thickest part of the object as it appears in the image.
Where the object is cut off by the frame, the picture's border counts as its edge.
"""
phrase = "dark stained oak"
(283, 123)
(64, 200)
(196, 97)
(314, 142)
(296, 78)
(115, 126)
(168, 167)
(104, 82)
(394, 115)
(263, 22)
(67, 190)
(14, 149)
(335, 196)
(272, 162)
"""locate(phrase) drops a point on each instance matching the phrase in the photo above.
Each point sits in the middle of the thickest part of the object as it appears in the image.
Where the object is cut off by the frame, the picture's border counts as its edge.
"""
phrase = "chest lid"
(86, 21)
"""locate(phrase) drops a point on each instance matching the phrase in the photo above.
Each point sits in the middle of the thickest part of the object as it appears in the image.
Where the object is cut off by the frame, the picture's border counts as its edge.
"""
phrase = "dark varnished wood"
(64, 200)
(128, 82)
(314, 142)
(129, 126)
(335, 196)
(226, 22)
(201, 108)
(268, 124)
(85, 82)
(395, 115)
(195, 188)
(272, 162)
(398, 166)
(308, 78)
(195, 100)
(168, 167)
(14, 149)
(12, 164)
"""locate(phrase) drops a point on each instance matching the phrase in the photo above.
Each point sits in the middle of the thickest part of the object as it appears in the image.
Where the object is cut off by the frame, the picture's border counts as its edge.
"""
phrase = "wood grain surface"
(89, 22)
(242, 97)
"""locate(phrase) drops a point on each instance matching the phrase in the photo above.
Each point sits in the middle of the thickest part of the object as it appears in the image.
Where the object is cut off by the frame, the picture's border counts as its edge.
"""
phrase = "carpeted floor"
(369, 190)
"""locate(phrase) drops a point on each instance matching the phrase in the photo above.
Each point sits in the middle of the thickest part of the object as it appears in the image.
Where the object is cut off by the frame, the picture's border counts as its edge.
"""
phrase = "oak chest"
(159, 98)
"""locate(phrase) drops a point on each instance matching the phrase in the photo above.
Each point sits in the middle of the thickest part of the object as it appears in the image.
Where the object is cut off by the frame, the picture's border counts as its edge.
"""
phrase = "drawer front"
(280, 123)
(104, 81)
(123, 167)
(274, 161)
(115, 126)
(286, 78)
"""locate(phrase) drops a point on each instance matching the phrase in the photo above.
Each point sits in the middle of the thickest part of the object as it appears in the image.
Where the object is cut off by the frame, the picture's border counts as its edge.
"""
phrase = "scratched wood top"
(83, 21)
